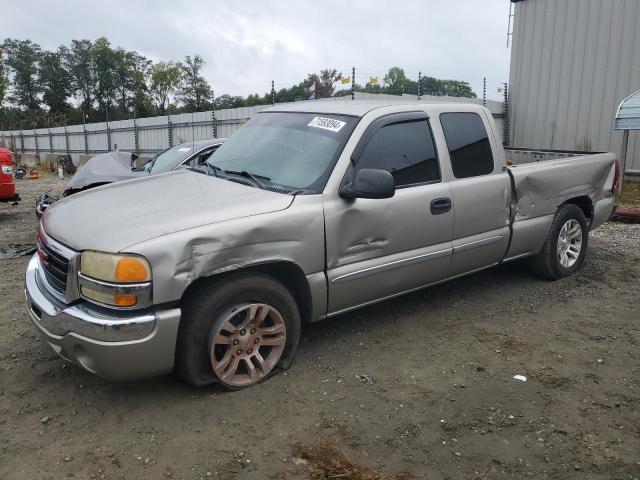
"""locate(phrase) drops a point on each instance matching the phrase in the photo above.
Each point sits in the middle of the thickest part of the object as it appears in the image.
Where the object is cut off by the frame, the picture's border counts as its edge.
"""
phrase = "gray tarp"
(104, 168)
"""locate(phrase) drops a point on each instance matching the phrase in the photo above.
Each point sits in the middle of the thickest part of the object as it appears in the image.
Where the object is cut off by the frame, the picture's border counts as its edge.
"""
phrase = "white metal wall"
(572, 63)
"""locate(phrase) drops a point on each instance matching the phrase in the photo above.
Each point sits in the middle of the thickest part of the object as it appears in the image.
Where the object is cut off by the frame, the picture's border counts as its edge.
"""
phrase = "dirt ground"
(422, 384)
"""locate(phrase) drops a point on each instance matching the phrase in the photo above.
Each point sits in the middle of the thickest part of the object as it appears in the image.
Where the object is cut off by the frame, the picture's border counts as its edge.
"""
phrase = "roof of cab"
(356, 108)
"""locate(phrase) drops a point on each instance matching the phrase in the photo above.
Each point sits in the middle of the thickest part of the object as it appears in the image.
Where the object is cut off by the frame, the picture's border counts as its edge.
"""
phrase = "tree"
(22, 59)
(103, 61)
(79, 64)
(291, 94)
(195, 92)
(395, 81)
(165, 78)
(129, 80)
(55, 80)
(229, 101)
(452, 88)
(3, 78)
(325, 82)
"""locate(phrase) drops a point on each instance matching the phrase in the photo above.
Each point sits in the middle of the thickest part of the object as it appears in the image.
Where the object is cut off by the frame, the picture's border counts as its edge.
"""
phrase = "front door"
(383, 247)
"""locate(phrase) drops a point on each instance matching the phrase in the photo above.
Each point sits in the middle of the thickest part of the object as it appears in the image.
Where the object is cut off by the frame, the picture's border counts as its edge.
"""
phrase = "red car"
(7, 187)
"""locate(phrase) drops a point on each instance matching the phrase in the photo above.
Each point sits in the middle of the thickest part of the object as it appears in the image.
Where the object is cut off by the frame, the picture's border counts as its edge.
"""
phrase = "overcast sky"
(248, 43)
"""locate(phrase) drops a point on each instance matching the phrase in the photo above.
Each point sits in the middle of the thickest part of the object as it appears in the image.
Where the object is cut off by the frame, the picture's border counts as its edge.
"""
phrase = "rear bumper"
(112, 344)
(603, 211)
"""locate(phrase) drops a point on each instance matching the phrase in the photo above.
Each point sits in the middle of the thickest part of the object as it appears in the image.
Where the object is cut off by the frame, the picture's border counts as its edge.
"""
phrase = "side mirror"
(370, 183)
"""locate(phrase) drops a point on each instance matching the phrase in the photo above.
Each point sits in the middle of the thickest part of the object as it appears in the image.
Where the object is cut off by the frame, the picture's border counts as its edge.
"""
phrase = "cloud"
(247, 44)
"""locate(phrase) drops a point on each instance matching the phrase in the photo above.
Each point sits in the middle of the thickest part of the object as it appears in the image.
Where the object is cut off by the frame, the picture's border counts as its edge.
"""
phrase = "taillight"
(616, 178)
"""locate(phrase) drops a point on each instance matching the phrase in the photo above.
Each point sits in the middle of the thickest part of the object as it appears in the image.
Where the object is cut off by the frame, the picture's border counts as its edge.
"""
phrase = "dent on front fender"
(293, 235)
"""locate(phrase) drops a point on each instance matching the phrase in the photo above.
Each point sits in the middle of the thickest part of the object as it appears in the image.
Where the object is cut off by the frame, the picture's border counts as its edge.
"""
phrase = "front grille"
(54, 265)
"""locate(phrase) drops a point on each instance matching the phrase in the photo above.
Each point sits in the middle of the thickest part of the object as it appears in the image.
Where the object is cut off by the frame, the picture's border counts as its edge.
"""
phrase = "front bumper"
(117, 345)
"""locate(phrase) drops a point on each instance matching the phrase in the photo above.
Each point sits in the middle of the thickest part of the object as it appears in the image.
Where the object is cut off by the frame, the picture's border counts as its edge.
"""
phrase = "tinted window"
(405, 150)
(468, 144)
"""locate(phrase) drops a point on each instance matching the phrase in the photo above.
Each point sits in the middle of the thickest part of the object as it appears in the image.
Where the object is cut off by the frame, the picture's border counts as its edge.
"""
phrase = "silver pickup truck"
(308, 211)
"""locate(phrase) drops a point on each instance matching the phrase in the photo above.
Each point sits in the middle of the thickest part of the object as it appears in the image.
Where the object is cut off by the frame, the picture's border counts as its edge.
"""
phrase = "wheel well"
(584, 203)
(287, 273)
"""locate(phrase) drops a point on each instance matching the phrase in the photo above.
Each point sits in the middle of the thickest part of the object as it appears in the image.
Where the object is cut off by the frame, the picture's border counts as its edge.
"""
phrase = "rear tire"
(237, 331)
(566, 245)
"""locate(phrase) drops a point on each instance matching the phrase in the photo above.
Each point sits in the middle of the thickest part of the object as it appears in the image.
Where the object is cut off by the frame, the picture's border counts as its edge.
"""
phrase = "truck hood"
(113, 217)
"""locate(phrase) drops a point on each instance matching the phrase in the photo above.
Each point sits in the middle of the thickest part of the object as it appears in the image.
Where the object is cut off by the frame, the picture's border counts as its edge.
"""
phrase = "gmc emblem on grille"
(44, 256)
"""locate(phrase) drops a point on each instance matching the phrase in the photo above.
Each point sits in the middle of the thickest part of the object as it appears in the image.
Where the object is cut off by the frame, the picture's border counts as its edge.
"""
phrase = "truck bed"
(529, 155)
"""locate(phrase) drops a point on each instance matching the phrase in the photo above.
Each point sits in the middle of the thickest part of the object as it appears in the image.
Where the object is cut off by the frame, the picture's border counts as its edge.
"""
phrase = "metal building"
(572, 63)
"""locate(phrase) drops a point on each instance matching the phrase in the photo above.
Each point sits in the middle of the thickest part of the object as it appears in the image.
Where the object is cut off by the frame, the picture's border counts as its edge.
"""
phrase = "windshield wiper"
(250, 176)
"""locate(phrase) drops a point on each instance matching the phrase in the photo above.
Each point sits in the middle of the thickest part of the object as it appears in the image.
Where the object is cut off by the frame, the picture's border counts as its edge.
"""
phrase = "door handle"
(440, 205)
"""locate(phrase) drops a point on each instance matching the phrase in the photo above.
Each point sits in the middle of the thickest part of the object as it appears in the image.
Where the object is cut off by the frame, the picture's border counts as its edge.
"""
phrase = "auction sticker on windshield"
(326, 124)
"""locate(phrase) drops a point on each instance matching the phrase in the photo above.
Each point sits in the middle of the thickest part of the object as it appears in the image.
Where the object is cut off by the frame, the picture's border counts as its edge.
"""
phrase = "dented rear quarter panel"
(541, 187)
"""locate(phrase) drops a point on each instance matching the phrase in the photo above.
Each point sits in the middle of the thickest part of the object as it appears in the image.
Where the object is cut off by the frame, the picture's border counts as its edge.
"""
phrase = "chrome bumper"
(118, 345)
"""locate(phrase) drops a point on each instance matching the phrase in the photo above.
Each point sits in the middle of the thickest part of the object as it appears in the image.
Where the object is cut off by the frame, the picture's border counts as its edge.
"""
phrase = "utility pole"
(273, 93)
(419, 85)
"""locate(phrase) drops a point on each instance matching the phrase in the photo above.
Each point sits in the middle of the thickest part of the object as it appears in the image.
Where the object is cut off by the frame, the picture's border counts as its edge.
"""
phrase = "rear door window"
(405, 150)
(468, 144)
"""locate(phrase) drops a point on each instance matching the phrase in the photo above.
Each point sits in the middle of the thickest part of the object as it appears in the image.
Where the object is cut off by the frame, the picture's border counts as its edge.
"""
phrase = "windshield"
(169, 159)
(292, 150)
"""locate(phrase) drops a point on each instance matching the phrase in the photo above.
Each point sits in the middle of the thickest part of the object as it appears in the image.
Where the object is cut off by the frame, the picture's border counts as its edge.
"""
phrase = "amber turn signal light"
(125, 300)
(131, 270)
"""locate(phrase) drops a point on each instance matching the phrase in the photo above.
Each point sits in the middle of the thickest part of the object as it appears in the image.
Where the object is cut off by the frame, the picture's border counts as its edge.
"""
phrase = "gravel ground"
(421, 384)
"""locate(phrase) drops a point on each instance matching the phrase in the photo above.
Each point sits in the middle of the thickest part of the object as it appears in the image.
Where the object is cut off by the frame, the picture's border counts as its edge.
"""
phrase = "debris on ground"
(15, 250)
(329, 463)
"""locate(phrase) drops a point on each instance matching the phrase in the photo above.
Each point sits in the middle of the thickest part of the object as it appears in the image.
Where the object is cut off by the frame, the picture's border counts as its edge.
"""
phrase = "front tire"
(566, 245)
(237, 331)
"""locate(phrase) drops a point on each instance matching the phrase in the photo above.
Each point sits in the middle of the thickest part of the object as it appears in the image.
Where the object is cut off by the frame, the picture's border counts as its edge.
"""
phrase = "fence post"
(136, 145)
(108, 130)
(86, 140)
(170, 131)
(11, 144)
(35, 139)
(213, 113)
(505, 139)
(484, 91)
(419, 85)
(353, 83)
(66, 135)
(50, 136)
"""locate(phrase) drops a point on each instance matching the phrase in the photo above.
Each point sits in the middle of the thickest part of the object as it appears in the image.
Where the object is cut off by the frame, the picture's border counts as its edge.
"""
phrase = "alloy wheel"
(248, 344)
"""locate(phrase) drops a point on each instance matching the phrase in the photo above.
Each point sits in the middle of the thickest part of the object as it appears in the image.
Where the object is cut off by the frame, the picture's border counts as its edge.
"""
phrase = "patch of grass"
(329, 463)
(630, 195)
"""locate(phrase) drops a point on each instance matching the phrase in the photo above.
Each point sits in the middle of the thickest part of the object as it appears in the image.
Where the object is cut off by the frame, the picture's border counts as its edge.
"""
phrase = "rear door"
(382, 247)
(480, 189)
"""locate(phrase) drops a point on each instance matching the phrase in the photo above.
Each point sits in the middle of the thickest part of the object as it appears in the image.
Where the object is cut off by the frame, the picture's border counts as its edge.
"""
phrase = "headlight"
(120, 280)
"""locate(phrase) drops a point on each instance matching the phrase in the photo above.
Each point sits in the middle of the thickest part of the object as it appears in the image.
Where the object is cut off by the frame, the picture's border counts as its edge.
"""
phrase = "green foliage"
(3, 78)
(55, 81)
(22, 62)
(78, 61)
(165, 77)
(90, 80)
(195, 92)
